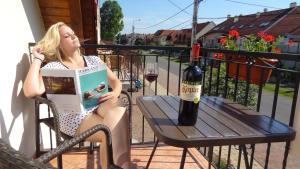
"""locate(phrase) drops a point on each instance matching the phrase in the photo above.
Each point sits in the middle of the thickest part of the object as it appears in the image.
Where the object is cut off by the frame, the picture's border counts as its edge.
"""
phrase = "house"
(284, 22)
(183, 36)
(23, 22)
(164, 37)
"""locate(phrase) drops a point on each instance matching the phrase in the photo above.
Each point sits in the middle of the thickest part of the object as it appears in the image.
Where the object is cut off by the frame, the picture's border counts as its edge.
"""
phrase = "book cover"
(75, 91)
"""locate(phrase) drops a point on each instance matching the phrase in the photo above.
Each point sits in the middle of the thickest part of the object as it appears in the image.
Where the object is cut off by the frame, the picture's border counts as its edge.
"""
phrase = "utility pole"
(194, 24)
(132, 36)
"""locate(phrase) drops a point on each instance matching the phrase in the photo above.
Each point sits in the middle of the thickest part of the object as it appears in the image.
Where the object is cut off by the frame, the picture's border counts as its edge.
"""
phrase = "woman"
(60, 48)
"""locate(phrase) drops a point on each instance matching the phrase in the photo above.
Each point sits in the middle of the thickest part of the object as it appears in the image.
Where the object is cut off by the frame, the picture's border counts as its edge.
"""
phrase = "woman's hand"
(108, 96)
(38, 53)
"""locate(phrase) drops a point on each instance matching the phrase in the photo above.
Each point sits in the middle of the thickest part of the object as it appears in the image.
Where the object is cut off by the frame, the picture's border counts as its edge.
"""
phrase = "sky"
(148, 16)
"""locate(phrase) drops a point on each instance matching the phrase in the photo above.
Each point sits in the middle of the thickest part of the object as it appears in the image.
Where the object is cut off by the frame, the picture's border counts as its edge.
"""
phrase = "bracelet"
(38, 59)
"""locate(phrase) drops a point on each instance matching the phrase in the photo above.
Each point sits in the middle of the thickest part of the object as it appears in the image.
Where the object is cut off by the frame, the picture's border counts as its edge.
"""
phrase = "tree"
(111, 20)
(139, 41)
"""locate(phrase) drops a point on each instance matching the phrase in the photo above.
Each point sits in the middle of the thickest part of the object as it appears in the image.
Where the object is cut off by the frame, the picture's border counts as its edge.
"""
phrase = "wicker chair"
(53, 121)
(12, 159)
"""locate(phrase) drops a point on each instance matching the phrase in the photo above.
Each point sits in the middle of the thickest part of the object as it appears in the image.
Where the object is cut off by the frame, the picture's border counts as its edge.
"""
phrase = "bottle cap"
(195, 50)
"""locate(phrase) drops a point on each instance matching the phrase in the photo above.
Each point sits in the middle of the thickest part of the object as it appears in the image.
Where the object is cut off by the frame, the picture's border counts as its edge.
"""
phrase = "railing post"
(295, 145)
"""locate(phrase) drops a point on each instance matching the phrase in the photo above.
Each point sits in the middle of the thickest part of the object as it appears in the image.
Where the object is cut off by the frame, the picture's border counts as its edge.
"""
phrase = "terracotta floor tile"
(166, 157)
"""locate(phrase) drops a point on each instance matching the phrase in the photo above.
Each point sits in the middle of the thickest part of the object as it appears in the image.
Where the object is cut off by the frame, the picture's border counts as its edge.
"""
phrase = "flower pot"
(255, 70)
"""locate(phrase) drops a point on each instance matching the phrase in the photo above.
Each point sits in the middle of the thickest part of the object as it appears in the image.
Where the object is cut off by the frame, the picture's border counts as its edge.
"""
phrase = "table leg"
(183, 158)
(245, 156)
(152, 153)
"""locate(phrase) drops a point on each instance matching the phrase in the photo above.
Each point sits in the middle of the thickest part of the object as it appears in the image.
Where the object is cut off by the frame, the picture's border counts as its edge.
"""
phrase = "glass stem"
(150, 88)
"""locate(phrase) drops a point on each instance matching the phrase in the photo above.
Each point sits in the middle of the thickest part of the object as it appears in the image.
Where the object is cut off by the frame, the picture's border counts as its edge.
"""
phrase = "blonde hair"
(49, 44)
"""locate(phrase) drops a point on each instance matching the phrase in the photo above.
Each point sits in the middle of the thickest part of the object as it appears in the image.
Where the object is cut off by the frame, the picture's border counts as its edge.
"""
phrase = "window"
(264, 24)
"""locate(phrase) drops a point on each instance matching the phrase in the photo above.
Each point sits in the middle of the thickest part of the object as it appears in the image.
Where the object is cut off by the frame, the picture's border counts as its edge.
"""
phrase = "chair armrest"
(68, 144)
(41, 100)
(10, 158)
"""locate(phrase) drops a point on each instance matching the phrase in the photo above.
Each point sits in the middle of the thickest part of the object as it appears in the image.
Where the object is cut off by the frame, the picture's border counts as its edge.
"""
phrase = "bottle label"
(190, 91)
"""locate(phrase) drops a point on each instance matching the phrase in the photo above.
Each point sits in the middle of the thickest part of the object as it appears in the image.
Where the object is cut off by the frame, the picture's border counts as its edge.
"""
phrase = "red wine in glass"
(151, 77)
(151, 73)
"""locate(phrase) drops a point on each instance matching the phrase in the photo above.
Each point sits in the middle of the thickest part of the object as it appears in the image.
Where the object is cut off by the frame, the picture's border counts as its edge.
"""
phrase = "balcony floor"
(166, 157)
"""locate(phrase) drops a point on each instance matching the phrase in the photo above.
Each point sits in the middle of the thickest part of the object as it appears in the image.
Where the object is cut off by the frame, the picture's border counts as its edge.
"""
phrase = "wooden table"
(220, 122)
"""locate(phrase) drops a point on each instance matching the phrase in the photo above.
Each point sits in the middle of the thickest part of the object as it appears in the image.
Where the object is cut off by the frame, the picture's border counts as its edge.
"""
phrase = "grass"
(283, 91)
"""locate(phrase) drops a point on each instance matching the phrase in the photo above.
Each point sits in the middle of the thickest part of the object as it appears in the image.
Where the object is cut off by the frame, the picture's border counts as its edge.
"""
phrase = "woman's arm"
(34, 85)
(114, 83)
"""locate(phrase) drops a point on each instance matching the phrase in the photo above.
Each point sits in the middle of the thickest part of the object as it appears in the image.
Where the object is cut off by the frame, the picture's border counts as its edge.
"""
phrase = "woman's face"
(68, 40)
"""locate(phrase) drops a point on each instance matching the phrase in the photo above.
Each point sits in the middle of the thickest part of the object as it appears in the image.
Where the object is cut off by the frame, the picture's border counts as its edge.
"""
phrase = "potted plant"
(261, 42)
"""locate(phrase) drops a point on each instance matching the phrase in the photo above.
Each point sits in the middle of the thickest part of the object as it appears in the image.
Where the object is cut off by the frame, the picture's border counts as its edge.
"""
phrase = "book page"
(60, 85)
(93, 84)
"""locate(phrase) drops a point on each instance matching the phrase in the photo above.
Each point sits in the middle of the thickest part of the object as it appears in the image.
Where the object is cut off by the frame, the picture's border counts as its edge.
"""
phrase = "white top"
(69, 122)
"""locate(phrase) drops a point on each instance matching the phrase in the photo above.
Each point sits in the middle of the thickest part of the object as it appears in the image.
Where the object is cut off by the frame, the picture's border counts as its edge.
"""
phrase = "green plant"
(262, 42)
(239, 94)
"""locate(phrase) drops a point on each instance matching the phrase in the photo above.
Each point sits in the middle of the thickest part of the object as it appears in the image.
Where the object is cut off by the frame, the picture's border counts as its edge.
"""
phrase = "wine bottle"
(190, 90)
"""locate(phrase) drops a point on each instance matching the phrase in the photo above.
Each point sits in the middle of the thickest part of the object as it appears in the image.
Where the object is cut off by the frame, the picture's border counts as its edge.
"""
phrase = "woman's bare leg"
(88, 122)
(116, 119)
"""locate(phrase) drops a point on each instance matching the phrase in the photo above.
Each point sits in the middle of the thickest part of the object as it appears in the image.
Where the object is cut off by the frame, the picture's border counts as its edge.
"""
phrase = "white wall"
(21, 23)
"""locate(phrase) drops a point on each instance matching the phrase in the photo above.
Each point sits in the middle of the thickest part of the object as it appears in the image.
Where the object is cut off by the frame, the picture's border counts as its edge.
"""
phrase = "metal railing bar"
(218, 77)
(144, 64)
(252, 155)
(276, 92)
(239, 157)
(260, 91)
(228, 156)
(131, 70)
(204, 72)
(248, 76)
(168, 76)
(267, 156)
(286, 153)
(156, 59)
(236, 80)
(219, 158)
(210, 78)
(179, 75)
(294, 102)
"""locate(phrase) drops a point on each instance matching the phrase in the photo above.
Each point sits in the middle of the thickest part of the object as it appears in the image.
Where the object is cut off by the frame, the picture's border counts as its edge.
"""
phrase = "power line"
(167, 18)
(244, 3)
(180, 24)
(179, 7)
(185, 26)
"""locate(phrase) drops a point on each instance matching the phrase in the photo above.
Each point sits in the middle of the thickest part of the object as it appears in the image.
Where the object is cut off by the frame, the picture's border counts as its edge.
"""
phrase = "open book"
(75, 91)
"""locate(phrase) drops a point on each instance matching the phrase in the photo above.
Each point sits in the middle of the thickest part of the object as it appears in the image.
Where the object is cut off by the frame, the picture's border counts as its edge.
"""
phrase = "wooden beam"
(53, 11)
(76, 17)
(54, 3)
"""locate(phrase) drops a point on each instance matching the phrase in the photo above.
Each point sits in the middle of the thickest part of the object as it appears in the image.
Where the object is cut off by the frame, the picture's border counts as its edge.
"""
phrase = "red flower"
(269, 38)
(223, 41)
(234, 33)
(276, 50)
(217, 56)
(290, 42)
(261, 34)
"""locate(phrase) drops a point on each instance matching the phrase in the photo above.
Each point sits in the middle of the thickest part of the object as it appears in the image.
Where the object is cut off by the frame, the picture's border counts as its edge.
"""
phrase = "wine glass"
(151, 73)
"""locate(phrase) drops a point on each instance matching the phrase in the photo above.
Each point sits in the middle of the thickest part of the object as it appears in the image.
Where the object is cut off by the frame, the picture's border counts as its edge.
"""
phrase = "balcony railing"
(130, 60)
